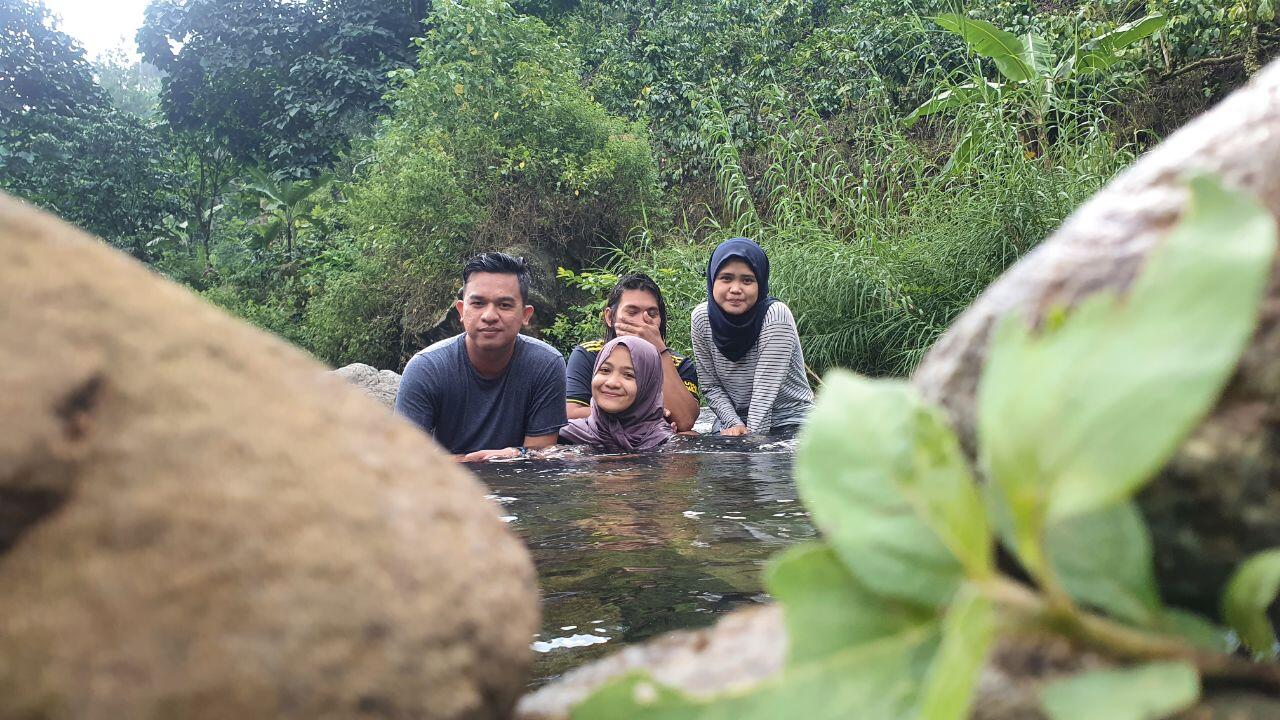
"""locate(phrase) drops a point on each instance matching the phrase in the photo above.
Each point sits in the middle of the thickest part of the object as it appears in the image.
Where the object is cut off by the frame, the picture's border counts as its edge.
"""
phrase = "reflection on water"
(628, 547)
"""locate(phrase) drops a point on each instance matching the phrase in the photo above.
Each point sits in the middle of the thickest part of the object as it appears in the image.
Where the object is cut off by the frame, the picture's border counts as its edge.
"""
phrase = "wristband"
(664, 350)
(524, 451)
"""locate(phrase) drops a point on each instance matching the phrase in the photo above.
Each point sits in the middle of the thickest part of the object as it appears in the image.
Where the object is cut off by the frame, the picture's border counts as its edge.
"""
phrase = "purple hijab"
(639, 427)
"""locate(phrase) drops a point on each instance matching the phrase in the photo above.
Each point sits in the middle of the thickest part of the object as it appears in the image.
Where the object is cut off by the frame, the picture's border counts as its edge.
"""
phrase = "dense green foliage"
(63, 146)
(321, 166)
(492, 144)
(100, 169)
(893, 614)
(299, 80)
(134, 87)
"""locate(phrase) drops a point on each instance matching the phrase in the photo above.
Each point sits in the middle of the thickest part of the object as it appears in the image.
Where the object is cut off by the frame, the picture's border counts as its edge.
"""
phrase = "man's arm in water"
(531, 442)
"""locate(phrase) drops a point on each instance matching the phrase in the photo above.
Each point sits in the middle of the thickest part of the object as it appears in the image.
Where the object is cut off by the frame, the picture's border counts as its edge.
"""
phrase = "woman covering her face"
(626, 399)
(746, 346)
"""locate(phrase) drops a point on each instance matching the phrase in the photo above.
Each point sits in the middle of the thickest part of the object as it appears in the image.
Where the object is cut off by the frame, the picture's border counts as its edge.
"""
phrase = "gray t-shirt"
(443, 394)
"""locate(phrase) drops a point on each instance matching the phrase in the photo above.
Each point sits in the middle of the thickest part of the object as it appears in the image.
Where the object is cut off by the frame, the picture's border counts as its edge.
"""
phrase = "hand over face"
(645, 329)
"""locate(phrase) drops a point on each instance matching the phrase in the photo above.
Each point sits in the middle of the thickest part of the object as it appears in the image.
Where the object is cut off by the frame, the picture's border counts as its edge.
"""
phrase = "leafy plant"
(893, 615)
(1029, 70)
(581, 323)
(286, 203)
(288, 83)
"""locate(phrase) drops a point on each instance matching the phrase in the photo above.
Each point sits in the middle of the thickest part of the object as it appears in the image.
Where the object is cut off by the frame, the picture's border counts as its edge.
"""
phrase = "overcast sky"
(100, 24)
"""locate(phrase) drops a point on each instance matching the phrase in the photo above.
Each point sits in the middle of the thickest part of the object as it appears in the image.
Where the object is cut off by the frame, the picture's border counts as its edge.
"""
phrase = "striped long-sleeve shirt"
(767, 388)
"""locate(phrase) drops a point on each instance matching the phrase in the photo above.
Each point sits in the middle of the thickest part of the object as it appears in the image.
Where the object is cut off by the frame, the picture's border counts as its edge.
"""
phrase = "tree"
(64, 148)
(209, 169)
(42, 70)
(107, 171)
(492, 143)
(134, 86)
(283, 83)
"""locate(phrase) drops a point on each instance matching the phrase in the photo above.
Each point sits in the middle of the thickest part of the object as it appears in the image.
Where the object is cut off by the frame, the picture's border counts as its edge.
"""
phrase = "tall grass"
(879, 238)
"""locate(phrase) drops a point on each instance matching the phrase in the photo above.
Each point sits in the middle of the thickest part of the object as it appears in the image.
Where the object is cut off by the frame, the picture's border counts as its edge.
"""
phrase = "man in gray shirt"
(489, 392)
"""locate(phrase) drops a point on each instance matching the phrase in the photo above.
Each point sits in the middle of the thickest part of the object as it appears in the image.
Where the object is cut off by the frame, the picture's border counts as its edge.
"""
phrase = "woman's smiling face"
(735, 289)
(613, 387)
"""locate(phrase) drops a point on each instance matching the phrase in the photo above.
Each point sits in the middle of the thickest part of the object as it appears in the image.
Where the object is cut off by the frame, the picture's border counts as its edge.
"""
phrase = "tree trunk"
(1251, 52)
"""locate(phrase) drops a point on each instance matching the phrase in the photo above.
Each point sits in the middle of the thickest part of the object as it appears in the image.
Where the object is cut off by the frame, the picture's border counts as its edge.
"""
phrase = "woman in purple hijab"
(626, 400)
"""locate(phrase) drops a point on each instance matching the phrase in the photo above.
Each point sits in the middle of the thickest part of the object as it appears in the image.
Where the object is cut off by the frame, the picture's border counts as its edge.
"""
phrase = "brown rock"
(381, 385)
(197, 521)
(1216, 502)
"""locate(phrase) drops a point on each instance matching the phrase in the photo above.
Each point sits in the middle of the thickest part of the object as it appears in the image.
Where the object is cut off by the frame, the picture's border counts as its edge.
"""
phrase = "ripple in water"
(638, 545)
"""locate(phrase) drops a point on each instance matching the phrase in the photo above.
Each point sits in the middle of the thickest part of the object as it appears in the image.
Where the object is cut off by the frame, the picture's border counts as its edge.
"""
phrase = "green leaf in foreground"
(967, 632)
(1193, 628)
(877, 681)
(1244, 604)
(1145, 692)
(1103, 559)
(887, 484)
(1081, 414)
(827, 610)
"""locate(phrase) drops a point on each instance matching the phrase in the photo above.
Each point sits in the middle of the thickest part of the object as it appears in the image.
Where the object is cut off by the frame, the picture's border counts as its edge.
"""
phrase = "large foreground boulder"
(1217, 501)
(197, 521)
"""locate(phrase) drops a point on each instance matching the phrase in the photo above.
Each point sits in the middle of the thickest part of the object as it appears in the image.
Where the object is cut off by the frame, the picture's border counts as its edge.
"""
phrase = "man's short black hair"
(501, 263)
(635, 281)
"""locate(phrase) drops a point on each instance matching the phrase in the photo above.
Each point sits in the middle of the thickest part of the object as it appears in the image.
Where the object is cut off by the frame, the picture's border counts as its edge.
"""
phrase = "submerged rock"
(1216, 501)
(381, 385)
(197, 521)
(743, 648)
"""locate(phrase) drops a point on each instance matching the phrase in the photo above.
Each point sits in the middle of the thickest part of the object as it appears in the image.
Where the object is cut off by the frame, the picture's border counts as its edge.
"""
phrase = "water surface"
(629, 547)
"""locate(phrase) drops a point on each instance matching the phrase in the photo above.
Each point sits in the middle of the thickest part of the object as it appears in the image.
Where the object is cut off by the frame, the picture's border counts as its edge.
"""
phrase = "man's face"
(491, 310)
(637, 307)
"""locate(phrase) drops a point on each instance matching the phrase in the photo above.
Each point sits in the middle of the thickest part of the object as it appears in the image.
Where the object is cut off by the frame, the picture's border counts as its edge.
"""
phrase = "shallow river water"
(629, 547)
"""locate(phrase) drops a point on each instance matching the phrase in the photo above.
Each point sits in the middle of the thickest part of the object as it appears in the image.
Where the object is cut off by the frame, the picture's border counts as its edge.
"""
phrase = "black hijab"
(735, 335)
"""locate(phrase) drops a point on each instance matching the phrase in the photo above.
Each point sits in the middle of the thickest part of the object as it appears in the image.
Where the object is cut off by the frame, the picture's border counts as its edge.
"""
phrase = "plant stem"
(1127, 643)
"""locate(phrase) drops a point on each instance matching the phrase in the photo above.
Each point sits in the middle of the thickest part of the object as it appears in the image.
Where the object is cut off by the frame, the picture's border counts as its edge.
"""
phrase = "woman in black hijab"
(750, 365)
